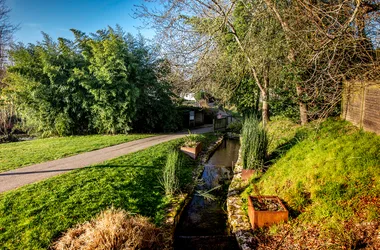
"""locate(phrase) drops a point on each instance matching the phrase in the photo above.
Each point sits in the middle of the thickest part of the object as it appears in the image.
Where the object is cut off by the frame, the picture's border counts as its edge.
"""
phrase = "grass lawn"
(329, 176)
(33, 216)
(19, 154)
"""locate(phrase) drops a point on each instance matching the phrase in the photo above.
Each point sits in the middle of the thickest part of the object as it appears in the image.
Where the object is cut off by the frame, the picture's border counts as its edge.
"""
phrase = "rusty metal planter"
(266, 218)
(247, 173)
(192, 152)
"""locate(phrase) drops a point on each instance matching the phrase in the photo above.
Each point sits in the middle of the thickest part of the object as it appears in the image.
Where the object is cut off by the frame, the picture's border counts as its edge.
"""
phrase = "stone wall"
(237, 217)
(361, 104)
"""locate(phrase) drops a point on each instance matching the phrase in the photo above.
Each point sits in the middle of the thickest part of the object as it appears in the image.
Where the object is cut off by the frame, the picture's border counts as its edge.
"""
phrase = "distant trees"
(106, 82)
(7, 109)
(6, 32)
(294, 54)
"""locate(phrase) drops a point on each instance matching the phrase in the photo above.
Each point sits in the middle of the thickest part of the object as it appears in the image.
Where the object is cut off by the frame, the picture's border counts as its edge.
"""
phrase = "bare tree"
(327, 42)
(6, 33)
(192, 45)
(7, 109)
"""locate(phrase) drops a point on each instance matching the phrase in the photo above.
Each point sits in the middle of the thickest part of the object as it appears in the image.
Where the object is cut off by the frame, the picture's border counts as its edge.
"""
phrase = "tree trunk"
(300, 91)
(291, 58)
(302, 105)
(257, 103)
(265, 110)
(264, 94)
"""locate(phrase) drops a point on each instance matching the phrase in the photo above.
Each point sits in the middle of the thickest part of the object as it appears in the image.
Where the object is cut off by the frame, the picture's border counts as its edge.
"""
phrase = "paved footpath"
(19, 177)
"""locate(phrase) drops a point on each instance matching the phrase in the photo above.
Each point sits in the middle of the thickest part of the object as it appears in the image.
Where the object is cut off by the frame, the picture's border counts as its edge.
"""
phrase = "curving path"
(30, 174)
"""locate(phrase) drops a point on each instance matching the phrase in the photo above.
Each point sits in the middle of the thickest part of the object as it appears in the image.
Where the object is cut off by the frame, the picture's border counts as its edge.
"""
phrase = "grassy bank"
(41, 150)
(329, 177)
(33, 216)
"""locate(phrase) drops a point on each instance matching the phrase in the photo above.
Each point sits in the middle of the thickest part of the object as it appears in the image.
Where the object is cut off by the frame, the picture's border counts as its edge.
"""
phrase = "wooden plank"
(361, 104)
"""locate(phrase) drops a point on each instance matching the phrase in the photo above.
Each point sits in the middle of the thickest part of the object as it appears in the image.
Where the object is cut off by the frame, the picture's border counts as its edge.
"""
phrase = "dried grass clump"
(112, 229)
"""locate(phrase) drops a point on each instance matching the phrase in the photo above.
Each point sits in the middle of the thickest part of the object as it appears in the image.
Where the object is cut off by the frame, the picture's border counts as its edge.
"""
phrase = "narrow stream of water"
(203, 223)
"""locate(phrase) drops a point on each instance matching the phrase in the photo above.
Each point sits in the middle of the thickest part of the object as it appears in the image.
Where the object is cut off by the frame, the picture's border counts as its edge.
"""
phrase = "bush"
(96, 84)
(235, 127)
(169, 180)
(254, 144)
(191, 140)
(112, 229)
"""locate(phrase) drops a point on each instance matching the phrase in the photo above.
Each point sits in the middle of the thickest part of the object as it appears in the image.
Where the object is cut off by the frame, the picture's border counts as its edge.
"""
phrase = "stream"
(204, 222)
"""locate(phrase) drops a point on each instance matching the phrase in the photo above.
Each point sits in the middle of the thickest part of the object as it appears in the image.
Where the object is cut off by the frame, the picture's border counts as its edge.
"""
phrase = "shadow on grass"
(39, 213)
(51, 207)
(293, 213)
(141, 191)
(138, 192)
(285, 147)
(37, 172)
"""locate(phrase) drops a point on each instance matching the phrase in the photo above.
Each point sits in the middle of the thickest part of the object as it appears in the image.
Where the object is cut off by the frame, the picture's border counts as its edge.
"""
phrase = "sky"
(57, 17)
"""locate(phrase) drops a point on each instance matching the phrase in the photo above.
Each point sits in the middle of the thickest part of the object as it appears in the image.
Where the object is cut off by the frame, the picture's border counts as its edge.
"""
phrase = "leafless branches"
(7, 109)
(324, 42)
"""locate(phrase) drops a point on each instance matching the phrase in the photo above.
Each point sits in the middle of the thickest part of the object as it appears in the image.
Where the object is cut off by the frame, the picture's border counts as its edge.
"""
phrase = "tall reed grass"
(169, 179)
(254, 144)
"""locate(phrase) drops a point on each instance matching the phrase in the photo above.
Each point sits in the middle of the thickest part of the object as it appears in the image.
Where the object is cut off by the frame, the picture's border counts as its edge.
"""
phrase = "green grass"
(280, 131)
(33, 216)
(169, 180)
(325, 173)
(19, 154)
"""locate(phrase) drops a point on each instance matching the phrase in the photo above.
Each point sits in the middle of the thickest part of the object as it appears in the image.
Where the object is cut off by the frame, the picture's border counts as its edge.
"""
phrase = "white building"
(188, 96)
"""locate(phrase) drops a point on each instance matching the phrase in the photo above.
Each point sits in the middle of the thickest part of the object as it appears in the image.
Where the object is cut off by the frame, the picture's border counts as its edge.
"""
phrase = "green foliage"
(169, 179)
(156, 111)
(325, 176)
(246, 97)
(282, 100)
(42, 150)
(254, 144)
(252, 41)
(235, 127)
(199, 95)
(191, 140)
(40, 84)
(109, 79)
(107, 82)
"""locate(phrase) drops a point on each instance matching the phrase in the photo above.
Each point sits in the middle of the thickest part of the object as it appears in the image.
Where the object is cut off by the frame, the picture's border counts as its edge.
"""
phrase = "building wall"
(188, 96)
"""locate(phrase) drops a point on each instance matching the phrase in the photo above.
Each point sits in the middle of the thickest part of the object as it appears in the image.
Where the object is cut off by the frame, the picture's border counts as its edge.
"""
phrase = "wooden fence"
(361, 104)
(220, 124)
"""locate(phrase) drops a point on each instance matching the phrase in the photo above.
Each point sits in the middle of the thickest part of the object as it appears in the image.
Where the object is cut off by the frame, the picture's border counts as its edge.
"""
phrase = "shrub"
(169, 180)
(112, 229)
(254, 144)
(191, 140)
(235, 127)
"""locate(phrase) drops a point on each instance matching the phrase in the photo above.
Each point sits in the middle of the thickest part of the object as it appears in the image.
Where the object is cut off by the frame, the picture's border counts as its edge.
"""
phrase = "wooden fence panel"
(220, 124)
(371, 116)
(361, 105)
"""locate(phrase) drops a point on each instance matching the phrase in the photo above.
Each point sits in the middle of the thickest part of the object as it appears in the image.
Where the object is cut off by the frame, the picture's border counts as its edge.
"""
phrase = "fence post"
(362, 107)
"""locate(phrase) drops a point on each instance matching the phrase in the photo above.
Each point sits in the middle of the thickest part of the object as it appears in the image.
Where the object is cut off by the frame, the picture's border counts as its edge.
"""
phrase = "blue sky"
(57, 17)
